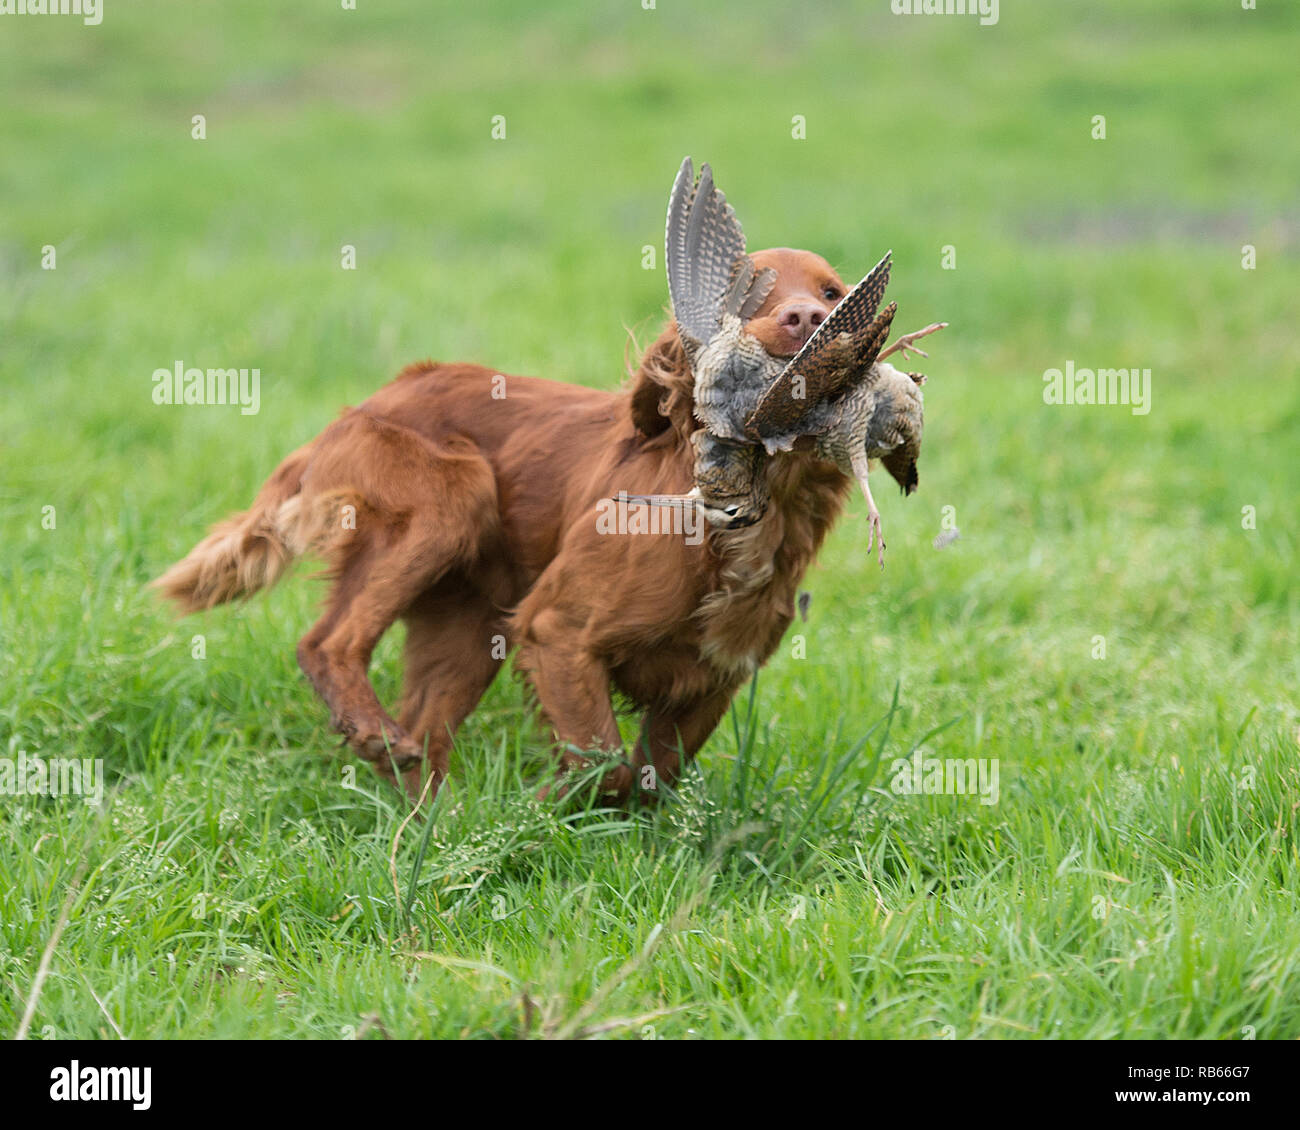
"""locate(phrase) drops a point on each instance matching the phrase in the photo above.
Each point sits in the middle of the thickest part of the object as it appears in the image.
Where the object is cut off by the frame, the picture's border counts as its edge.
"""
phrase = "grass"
(1137, 876)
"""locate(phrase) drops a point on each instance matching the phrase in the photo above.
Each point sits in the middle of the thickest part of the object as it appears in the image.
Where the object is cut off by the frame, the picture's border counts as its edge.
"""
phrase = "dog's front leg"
(671, 736)
(573, 691)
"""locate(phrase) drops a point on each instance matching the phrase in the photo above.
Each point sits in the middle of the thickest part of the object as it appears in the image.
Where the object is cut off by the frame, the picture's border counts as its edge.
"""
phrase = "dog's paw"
(574, 778)
(390, 751)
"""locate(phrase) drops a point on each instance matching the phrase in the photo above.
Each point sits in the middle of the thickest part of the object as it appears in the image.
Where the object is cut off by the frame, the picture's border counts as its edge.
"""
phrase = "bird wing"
(704, 247)
(786, 400)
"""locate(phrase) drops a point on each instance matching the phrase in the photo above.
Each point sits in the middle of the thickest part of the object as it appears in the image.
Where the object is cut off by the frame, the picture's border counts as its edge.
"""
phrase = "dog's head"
(807, 289)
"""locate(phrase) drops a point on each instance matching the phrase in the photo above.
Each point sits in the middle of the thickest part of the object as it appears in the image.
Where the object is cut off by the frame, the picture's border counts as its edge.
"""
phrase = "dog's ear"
(645, 407)
(663, 388)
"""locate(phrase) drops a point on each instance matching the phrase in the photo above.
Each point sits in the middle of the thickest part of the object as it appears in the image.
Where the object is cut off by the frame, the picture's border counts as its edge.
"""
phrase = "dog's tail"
(246, 552)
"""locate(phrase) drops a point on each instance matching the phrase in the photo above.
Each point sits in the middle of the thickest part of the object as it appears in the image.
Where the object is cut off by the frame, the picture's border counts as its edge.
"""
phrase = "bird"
(750, 403)
(715, 289)
(730, 488)
(838, 390)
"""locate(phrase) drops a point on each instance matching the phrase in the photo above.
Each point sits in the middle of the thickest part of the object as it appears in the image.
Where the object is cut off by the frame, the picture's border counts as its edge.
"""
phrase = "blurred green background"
(373, 128)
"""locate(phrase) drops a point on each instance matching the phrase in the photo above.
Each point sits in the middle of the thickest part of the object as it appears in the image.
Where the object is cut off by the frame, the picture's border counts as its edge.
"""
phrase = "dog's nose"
(800, 321)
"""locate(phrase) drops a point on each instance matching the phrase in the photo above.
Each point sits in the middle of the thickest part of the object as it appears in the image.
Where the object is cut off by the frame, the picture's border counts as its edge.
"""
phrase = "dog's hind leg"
(391, 512)
(335, 655)
(455, 642)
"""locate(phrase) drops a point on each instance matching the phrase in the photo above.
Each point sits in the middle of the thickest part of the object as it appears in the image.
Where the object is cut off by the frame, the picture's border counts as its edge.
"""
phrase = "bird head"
(720, 513)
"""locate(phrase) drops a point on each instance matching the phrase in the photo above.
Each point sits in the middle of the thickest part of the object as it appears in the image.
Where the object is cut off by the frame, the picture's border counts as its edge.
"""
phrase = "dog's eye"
(831, 294)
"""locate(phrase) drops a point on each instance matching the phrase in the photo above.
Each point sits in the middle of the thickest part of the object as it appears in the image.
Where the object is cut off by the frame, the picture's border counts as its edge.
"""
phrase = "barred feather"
(703, 241)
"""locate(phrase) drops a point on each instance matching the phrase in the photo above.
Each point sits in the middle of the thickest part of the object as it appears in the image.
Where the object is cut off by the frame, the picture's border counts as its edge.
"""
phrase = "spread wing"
(704, 248)
(854, 316)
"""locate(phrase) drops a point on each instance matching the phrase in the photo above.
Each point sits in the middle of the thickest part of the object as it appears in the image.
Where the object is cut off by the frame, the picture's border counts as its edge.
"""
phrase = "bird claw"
(876, 531)
(904, 343)
(861, 468)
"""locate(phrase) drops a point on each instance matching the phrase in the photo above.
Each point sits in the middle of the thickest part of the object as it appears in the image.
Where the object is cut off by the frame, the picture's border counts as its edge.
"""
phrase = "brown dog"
(464, 503)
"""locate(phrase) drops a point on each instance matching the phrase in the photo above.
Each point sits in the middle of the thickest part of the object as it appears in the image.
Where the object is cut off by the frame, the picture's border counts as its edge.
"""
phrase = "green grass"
(1137, 877)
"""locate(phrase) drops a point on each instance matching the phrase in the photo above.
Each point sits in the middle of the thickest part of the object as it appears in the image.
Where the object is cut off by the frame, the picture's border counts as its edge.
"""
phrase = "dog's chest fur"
(744, 617)
(752, 603)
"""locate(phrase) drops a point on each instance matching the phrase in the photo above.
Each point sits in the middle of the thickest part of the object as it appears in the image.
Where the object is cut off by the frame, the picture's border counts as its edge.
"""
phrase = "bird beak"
(667, 500)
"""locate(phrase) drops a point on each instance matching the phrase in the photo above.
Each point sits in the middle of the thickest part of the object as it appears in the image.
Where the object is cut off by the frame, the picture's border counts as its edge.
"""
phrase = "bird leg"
(905, 342)
(860, 469)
